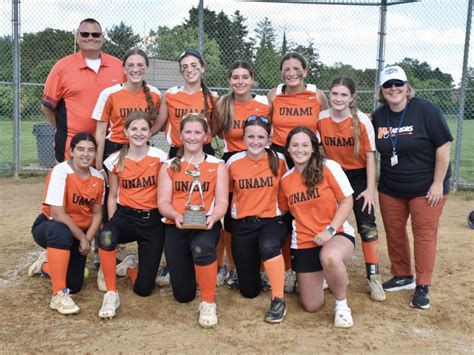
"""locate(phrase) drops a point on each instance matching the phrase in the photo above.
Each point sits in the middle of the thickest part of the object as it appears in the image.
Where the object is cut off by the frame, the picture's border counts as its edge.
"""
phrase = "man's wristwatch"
(331, 231)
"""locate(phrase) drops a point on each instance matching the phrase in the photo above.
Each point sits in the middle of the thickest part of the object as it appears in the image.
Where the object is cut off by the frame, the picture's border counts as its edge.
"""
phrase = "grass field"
(29, 152)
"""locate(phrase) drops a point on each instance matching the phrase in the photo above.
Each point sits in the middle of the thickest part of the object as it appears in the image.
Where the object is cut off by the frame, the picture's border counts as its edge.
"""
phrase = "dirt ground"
(158, 324)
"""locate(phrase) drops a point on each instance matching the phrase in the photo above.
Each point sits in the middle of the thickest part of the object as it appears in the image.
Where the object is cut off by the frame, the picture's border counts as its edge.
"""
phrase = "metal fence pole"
(201, 27)
(381, 49)
(462, 98)
(16, 85)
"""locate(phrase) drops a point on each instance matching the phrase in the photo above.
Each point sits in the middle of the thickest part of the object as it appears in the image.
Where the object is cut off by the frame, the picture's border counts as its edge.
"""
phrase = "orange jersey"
(72, 88)
(293, 110)
(182, 184)
(234, 139)
(255, 188)
(180, 103)
(338, 141)
(77, 196)
(138, 182)
(114, 105)
(314, 210)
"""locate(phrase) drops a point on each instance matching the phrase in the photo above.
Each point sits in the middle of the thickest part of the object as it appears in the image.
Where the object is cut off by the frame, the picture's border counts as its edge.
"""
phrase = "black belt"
(251, 219)
(144, 214)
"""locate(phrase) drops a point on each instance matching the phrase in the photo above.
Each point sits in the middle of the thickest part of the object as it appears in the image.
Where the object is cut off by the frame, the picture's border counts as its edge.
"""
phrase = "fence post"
(381, 49)
(201, 27)
(462, 98)
(16, 85)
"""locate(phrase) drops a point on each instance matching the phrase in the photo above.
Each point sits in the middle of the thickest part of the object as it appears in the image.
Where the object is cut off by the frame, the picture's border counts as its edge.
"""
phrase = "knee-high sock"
(275, 268)
(132, 272)
(371, 256)
(206, 279)
(58, 261)
(108, 263)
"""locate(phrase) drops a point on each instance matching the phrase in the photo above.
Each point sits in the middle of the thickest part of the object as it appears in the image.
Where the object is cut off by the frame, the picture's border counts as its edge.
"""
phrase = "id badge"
(394, 160)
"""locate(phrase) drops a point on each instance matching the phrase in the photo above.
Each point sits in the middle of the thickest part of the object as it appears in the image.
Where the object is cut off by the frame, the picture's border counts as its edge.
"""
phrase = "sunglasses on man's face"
(390, 83)
(88, 34)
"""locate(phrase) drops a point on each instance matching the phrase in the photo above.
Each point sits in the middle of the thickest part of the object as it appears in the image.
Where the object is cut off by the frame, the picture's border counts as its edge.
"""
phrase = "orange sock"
(228, 248)
(45, 268)
(58, 261)
(275, 268)
(286, 251)
(371, 251)
(108, 263)
(132, 273)
(220, 250)
(206, 279)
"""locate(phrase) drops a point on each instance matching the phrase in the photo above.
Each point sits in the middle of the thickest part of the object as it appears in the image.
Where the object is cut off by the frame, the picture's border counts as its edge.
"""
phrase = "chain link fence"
(428, 38)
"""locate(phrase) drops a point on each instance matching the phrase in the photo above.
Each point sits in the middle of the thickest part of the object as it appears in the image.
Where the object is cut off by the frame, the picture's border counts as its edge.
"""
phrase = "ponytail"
(226, 112)
(355, 130)
(176, 163)
(121, 158)
(208, 97)
(273, 161)
(152, 112)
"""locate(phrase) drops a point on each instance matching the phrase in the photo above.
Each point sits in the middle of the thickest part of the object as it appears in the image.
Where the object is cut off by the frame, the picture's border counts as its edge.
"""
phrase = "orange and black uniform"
(137, 217)
(313, 209)
(179, 103)
(185, 248)
(114, 105)
(71, 91)
(258, 232)
(234, 139)
(290, 111)
(338, 143)
(78, 197)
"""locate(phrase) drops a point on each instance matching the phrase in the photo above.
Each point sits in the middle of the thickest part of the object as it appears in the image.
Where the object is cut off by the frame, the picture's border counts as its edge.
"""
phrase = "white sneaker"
(163, 276)
(63, 303)
(130, 261)
(343, 317)
(101, 285)
(290, 281)
(374, 285)
(110, 304)
(222, 275)
(207, 314)
(35, 268)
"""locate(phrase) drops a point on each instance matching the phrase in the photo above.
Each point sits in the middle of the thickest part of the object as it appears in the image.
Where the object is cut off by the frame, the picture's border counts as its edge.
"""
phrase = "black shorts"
(307, 260)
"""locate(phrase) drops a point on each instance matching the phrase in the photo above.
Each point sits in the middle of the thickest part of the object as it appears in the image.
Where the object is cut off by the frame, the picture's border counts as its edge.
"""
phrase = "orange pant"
(424, 224)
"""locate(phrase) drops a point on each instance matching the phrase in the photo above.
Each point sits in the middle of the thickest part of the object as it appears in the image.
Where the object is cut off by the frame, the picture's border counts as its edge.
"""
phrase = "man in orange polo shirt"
(74, 84)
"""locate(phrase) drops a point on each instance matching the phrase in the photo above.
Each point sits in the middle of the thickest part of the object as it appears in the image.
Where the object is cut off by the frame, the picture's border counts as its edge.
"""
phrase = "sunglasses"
(88, 34)
(192, 52)
(396, 82)
(259, 118)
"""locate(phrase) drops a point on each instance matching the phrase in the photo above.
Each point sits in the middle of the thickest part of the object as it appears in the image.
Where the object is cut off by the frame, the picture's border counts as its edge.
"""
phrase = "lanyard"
(394, 140)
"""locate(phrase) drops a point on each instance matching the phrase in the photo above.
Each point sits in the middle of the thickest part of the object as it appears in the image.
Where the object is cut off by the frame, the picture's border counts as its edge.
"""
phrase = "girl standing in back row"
(347, 136)
(234, 108)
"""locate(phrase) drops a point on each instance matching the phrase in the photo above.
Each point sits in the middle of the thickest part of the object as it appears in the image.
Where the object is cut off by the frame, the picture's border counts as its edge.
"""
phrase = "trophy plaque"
(194, 216)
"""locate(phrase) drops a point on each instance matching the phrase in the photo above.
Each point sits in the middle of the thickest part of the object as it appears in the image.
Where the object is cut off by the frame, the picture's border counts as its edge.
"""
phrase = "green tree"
(49, 44)
(423, 71)
(168, 43)
(6, 58)
(267, 59)
(120, 38)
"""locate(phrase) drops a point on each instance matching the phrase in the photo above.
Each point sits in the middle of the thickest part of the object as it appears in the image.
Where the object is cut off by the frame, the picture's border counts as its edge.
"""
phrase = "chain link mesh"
(427, 38)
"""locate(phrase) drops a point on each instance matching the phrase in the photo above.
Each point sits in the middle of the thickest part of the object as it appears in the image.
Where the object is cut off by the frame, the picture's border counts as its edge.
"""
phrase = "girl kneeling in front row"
(71, 217)
(133, 213)
(319, 196)
(258, 231)
(191, 253)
